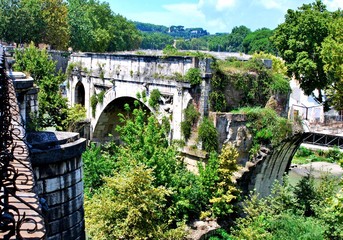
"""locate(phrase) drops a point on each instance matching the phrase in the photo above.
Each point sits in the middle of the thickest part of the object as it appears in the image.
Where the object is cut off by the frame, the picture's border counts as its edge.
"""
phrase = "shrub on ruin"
(193, 76)
(191, 116)
(208, 135)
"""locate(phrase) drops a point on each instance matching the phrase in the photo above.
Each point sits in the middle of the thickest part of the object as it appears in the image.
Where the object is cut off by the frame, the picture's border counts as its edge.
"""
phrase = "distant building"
(303, 106)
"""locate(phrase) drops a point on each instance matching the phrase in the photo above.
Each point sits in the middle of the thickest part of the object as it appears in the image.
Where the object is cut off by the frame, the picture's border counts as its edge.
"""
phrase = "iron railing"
(19, 217)
(323, 139)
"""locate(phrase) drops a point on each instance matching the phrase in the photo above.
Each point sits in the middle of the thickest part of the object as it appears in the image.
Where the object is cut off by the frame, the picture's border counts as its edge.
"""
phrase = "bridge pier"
(57, 165)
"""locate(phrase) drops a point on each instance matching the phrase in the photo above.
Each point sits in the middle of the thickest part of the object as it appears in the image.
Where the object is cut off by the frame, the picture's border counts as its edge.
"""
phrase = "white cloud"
(222, 5)
(282, 5)
(216, 5)
(183, 8)
(334, 4)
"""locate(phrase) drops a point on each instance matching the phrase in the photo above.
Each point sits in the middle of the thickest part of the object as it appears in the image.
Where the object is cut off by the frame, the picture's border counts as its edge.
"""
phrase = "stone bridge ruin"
(120, 77)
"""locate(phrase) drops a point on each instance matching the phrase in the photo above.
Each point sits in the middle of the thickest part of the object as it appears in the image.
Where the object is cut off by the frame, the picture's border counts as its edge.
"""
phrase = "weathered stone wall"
(57, 165)
(232, 128)
(61, 58)
(27, 95)
(270, 164)
(124, 75)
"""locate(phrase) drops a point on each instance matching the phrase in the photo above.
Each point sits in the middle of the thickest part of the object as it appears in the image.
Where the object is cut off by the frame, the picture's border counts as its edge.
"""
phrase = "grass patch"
(305, 155)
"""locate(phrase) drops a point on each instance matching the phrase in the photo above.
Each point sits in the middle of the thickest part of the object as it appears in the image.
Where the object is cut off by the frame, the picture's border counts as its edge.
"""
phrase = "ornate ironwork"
(18, 218)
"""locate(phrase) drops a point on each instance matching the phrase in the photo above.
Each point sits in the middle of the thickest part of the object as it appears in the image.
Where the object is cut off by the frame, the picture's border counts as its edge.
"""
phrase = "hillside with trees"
(241, 39)
(83, 25)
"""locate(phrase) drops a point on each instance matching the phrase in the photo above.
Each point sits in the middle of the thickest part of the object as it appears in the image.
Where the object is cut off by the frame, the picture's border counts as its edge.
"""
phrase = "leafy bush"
(303, 212)
(304, 155)
(191, 116)
(169, 50)
(334, 154)
(96, 166)
(154, 98)
(133, 206)
(94, 102)
(226, 191)
(208, 135)
(193, 76)
(267, 127)
(52, 108)
(303, 152)
(218, 101)
(101, 96)
(253, 82)
(76, 114)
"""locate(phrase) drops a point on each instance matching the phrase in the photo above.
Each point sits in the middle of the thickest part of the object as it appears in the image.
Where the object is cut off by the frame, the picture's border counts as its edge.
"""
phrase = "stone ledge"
(45, 139)
(58, 153)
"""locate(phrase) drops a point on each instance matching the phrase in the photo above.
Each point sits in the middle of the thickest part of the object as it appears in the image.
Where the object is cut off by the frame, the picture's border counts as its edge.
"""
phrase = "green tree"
(332, 52)
(26, 16)
(54, 13)
(299, 41)
(191, 116)
(23, 21)
(97, 166)
(53, 107)
(226, 191)
(258, 41)
(208, 135)
(95, 28)
(155, 40)
(236, 38)
(183, 44)
(217, 42)
(131, 207)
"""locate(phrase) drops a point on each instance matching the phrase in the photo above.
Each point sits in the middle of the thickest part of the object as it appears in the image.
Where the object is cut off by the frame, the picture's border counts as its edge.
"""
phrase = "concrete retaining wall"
(57, 165)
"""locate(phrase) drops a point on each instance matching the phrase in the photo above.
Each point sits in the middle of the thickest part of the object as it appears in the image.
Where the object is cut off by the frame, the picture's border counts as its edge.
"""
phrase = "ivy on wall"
(191, 116)
(252, 80)
(154, 98)
(95, 99)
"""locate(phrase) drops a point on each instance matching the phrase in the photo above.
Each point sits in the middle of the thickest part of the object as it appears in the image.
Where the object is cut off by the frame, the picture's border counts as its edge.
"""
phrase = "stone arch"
(80, 94)
(268, 165)
(108, 118)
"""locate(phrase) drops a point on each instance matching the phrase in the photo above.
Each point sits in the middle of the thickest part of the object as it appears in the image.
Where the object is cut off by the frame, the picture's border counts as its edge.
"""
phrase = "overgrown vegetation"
(193, 76)
(101, 96)
(208, 135)
(266, 126)
(170, 51)
(305, 155)
(52, 111)
(94, 102)
(252, 82)
(75, 115)
(95, 99)
(191, 116)
(307, 211)
(154, 98)
(142, 189)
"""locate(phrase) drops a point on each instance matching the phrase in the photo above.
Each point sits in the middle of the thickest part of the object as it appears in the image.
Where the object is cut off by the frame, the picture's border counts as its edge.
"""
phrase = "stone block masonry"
(57, 165)
(121, 76)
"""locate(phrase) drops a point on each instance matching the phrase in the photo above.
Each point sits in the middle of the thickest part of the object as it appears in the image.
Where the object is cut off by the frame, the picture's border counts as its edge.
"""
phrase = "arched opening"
(80, 94)
(109, 119)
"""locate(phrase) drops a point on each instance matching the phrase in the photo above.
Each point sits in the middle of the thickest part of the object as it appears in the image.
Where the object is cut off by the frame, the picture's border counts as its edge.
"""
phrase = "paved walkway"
(317, 169)
(29, 221)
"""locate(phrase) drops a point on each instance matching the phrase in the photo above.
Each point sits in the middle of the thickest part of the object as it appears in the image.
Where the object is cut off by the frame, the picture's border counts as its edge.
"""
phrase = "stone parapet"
(57, 165)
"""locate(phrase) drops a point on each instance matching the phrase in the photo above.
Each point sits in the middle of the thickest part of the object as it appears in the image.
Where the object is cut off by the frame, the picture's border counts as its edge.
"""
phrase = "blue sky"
(212, 15)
